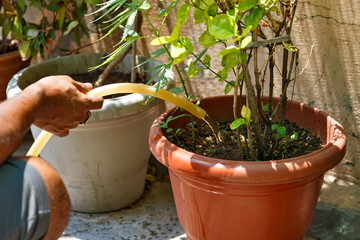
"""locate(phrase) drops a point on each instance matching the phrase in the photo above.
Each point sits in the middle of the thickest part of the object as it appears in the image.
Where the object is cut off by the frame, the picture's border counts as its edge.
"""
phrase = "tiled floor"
(154, 216)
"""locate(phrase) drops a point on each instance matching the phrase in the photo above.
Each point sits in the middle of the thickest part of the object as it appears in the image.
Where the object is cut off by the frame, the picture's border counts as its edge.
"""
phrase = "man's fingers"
(95, 102)
(83, 87)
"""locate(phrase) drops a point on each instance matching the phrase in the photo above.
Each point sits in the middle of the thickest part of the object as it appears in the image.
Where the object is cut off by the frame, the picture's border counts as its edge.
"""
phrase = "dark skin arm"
(56, 104)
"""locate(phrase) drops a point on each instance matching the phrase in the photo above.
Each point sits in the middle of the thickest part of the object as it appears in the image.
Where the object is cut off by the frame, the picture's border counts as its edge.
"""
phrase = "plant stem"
(253, 107)
(235, 107)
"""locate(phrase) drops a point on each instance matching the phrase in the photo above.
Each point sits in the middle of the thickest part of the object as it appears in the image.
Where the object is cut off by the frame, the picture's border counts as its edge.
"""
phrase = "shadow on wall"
(329, 30)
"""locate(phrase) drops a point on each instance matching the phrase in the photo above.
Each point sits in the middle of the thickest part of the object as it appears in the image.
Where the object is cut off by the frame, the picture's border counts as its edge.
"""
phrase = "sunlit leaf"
(222, 27)
(246, 113)
(199, 16)
(71, 26)
(183, 13)
(17, 28)
(254, 18)
(193, 71)
(207, 40)
(161, 40)
(289, 47)
(180, 49)
(245, 42)
(294, 136)
(245, 5)
(231, 49)
(237, 123)
(229, 86)
(24, 50)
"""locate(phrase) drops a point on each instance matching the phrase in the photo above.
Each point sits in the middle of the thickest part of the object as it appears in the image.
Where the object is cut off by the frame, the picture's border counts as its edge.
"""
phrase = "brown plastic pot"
(10, 64)
(222, 199)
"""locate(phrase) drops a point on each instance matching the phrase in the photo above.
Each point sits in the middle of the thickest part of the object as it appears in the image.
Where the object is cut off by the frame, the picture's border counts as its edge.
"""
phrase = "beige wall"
(327, 32)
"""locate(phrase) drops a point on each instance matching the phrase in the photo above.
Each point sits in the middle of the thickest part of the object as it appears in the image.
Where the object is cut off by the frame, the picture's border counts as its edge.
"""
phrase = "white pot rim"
(112, 108)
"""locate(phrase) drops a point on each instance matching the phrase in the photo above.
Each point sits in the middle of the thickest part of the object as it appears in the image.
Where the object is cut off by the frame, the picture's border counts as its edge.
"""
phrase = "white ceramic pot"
(103, 164)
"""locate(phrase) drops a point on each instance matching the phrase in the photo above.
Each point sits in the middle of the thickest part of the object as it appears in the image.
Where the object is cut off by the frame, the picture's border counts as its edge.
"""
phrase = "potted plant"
(28, 27)
(265, 193)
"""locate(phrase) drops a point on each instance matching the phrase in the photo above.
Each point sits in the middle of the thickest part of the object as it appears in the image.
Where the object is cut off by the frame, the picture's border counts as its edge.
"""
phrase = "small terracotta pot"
(222, 199)
(10, 64)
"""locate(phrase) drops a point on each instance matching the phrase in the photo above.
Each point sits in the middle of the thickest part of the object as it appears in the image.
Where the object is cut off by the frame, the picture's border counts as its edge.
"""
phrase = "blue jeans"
(24, 202)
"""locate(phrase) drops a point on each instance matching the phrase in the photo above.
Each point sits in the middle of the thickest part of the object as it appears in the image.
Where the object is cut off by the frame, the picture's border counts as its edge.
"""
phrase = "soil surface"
(205, 142)
(9, 46)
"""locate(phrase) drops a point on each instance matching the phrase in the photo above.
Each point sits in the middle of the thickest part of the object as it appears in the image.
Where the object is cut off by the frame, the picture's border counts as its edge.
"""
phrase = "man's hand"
(64, 104)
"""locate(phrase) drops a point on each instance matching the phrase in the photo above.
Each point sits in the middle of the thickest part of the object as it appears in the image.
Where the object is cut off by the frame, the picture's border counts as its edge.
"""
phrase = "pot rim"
(112, 108)
(260, 172)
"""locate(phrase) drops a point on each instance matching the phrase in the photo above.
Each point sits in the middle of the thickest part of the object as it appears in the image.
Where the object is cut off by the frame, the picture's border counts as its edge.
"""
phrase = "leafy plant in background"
(239, 28)
(55, 15)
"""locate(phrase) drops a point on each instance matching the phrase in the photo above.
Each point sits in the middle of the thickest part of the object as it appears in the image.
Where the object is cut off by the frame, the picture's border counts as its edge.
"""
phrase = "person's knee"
(58, 197)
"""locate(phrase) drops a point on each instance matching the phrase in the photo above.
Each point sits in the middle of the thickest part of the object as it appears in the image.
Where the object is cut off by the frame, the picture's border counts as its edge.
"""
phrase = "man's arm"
(55, 104)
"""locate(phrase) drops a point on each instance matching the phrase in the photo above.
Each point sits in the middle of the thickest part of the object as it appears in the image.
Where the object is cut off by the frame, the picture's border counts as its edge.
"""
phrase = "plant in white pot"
(29, 27)
(266, 191)
(103, 163)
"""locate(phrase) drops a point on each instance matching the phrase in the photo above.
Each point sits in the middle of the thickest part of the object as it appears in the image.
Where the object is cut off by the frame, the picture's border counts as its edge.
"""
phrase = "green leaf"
(228, 50)
(266, 107)
(289, 47)
(17, 31)
(25, 51)
(51, 34)
(199, 16)
(212, 10)
(207, 40)
(180, 49)
(32, 32)
(54, 5)
(245, 42)
(61, 17)
(237, 123)
(145, 5)
(193, 71)
(222, 27)
(274, 126)
(223, 75)
(183, 13)
(294, 136)
(21, 4)
(6, 27)
(281, 131)
(161, 40)
(176, 32)
(229, 86)
(245, 31)
(229, 61)
(93, 2)
(129, 23)
(176, 90)
(71, 26)
(254, 18)
(162, 12)
(35, 4)
(245, 5)
(207, 60)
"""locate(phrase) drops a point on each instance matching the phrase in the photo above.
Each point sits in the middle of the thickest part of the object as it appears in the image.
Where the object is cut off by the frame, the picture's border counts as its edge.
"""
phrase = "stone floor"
(154, 216)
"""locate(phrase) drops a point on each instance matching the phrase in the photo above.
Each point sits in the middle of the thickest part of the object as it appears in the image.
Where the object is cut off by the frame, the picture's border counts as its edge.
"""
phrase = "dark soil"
(205, 142)
(8, 46)
(114, 77)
